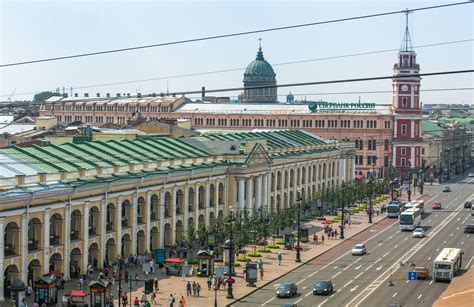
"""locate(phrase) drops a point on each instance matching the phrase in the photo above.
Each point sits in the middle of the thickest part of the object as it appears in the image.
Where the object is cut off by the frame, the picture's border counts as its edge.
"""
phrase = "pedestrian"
(260, 264)
(198, 289)
(335, 233)
(182, 302)
(322, 239)
(314, 238)
(209, 283)
(152, 266)
(81, 283)
(126, 276)
(153, 297)
(280, 257)
(157, 288)
(194, 288)
(188, 289)
(261, 274)
(172, 300)
(136, 278)
(136, 302)
(125, 299)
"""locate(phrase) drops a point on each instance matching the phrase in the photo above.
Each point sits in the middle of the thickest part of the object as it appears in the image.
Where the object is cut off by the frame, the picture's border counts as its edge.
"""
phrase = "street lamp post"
(230, 294)
(342, 211)
(298, 202)
(370, 199)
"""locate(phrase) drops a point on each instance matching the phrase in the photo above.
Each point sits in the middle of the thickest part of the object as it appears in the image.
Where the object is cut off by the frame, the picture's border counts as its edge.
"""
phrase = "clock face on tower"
(405, 88)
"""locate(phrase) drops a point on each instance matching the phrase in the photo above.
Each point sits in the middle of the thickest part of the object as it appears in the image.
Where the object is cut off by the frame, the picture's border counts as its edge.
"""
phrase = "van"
(472, 210)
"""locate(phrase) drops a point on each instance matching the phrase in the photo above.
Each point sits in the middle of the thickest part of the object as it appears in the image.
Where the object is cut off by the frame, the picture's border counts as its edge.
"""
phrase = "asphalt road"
(362, 280)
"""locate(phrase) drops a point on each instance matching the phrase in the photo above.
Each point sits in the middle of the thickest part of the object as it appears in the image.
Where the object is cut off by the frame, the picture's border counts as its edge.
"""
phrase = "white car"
(418, 233)
(359, 249)
(471, 174)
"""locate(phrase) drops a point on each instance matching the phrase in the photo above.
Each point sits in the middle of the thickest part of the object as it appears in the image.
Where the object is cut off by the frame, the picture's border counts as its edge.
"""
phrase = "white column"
(208, 203)
(67, 245)
(394, 156)
(24, 247)
(353, 168)
(2, 257)
(46, 223)
(134, 218)
(85, 238)
(241, 193)
(174, 204)
(186, 209)
(162, 218)
(103, 231)
(118, 219)
(249, 205)
(412, 154)
(283, 182)
(148, 221)
(196, 209)
(395, 127)
(258, 198)
(265, 192)
(216, 199)
(306, 183)
(412, 128)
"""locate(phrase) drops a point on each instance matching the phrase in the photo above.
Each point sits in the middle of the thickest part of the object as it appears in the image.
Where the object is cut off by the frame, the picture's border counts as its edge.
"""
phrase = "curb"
(303, 263)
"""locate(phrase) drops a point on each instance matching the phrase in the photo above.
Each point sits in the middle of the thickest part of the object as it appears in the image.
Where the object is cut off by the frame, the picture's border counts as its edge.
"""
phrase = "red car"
(437, 205)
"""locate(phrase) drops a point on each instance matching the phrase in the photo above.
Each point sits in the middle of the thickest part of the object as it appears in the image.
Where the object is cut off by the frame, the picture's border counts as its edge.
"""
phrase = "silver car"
(359, 249)
(419, 233)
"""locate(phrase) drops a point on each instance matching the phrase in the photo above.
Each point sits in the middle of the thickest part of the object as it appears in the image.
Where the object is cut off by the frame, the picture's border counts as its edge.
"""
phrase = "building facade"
(259, 73)
(63, 207)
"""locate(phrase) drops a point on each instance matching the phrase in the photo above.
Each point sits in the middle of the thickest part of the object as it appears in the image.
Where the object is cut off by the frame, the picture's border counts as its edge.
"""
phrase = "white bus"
(447, 264)
(410, 219)
(417, 204)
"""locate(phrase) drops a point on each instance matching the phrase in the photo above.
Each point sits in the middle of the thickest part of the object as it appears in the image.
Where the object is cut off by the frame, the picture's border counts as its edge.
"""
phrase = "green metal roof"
(259, 67)
(431, 127)
(275, 139)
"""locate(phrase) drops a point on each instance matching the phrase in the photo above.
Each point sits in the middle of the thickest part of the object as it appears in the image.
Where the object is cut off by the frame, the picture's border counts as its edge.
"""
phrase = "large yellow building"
(80, 203)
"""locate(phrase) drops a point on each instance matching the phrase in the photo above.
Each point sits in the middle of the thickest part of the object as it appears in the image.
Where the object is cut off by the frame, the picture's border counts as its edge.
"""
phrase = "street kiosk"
(46, 290)
(205, 263)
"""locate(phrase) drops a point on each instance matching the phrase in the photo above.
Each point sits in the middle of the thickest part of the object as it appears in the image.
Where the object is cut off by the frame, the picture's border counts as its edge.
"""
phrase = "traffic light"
(148, 286)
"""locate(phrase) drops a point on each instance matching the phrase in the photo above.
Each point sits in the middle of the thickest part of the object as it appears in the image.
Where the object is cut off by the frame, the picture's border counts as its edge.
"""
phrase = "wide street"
(363, 280)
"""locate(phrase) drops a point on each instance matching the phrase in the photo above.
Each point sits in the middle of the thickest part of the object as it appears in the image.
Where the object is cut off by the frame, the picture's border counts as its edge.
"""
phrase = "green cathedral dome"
(259, 67)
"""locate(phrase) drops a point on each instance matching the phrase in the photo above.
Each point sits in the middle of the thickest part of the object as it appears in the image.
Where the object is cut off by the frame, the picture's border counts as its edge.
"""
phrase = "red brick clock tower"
(406, 108)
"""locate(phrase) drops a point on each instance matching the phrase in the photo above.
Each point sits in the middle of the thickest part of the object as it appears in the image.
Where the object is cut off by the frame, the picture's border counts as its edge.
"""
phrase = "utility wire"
(206, 38)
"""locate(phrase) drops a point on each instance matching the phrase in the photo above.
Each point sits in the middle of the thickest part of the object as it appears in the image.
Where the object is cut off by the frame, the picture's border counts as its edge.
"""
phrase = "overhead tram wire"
(242, 68)
(206, 38)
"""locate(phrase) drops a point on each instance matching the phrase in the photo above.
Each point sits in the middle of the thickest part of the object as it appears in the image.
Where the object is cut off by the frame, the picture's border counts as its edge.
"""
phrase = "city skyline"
(95, 34)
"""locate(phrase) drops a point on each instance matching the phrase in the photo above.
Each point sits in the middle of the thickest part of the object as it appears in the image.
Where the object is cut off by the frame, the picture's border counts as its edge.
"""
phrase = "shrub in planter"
(272, 246)
(193, 261)
(280, 242)
(237, 264)
(244, 259)
(264, 250)
(254, 255)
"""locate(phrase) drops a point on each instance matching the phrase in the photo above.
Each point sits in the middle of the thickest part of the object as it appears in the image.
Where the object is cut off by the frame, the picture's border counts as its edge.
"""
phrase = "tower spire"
(260, 44)
(406, 43)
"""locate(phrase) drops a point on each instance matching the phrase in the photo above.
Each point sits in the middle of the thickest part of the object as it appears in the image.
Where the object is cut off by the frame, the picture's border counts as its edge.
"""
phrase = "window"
(370, 145)
(385, 161)
(404, 102)
(404, 129)
(403, 162)
(403, 151)
(374, 144)
(361, 144)
(385, 145)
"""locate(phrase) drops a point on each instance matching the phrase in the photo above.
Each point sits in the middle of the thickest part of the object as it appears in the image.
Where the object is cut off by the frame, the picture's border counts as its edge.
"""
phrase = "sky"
(42, 29)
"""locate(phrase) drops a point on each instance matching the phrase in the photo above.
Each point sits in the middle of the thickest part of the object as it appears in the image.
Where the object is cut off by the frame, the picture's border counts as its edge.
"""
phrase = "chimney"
(139, 95)
(203, 91)
(76, 95)
(86, 95)
(118, 95)
(128, 94)
(174, 95)
(162, 94)
(107, 95)
(98, 95)
(64, 95)
(153, 95)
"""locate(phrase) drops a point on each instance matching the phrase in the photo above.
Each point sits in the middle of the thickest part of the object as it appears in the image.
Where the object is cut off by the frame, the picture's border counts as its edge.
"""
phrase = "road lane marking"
(308, 294)
(379, 268)
(336, 274)
(390, 237)
(358, 275)
(378, 260)
(457, 228)
(268, 301)
(358, 267)
(429, 221)
(420, 296)
(467, 265)
(334, 293)
(355, 288)
(396, 246)
(386, 254)
(311, 275)
(407, 281)
(323, 302)
(429, 258)
(359, 259)
(431, 281)
(347, 267)
(335, 267)
(395, 294)
(298, 301)
(301, 281)
(437, 249)
(380, 244)
(435, 215)
(398, 231)
(369, 267)
(304, 288)
(362, 295)
(452, 234)
(348, 283)
(406, 239)
(444, 242)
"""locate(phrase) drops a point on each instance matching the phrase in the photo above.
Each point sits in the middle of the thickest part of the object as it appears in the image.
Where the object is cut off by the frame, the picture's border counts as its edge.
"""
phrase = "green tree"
(40, 97)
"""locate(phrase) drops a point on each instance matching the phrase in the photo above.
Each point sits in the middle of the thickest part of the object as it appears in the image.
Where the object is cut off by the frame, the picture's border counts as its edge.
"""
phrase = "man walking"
(188, 289)
(280, 257)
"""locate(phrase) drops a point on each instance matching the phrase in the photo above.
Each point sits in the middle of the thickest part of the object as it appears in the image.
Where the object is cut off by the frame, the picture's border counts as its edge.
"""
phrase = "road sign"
(412, 276)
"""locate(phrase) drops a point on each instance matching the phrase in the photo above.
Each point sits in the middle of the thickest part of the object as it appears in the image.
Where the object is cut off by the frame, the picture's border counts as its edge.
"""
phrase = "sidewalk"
(177, 286)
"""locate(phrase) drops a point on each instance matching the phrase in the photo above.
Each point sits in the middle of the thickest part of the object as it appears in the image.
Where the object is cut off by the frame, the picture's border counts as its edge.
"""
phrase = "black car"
(287, 289)
(469, 228)
(468, 204)
(323, 287)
